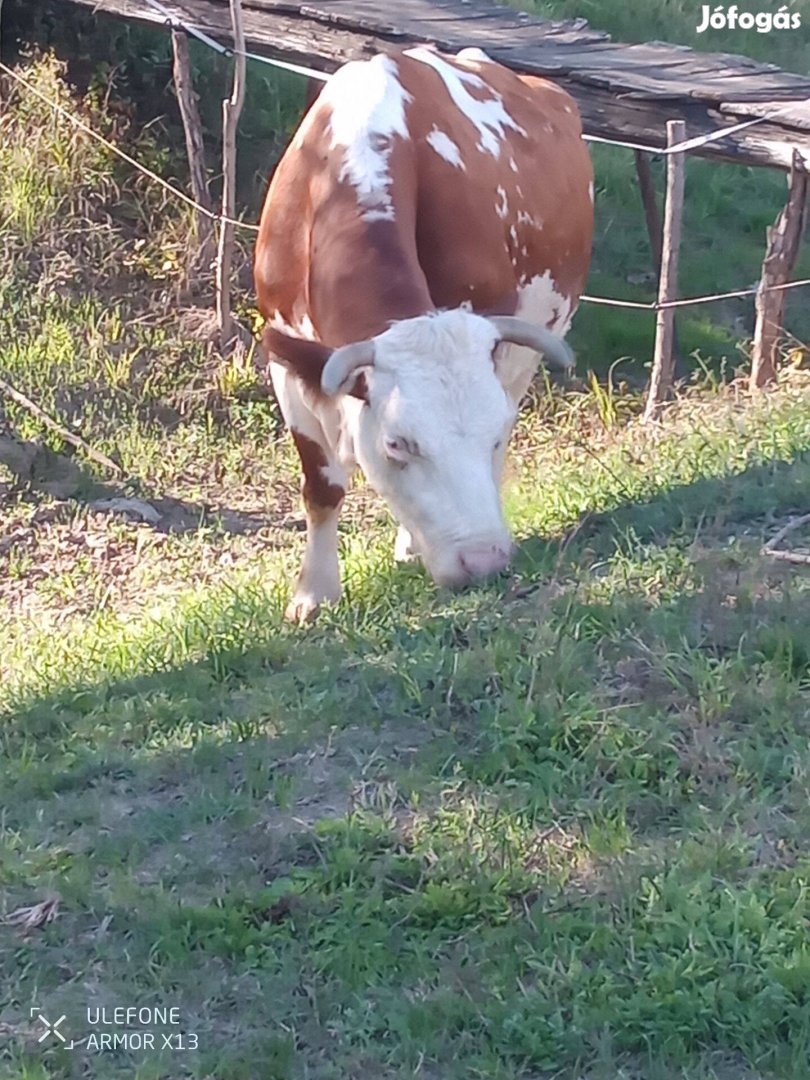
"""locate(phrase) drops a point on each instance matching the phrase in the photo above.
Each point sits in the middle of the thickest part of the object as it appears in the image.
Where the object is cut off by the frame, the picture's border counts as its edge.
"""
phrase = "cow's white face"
(431, 437)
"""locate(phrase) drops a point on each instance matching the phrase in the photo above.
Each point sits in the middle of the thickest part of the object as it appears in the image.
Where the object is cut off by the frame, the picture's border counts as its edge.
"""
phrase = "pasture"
(555, 826)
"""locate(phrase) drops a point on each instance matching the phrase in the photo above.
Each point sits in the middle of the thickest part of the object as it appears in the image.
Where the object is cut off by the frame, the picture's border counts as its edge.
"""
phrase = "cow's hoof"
(301, 610)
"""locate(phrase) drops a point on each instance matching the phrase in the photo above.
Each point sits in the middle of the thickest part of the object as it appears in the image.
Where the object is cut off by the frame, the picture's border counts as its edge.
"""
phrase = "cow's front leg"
(319, 580)
(323, 488)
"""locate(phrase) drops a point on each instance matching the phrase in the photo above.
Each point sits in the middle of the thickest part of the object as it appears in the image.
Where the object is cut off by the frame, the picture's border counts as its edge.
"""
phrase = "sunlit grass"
(554, 826)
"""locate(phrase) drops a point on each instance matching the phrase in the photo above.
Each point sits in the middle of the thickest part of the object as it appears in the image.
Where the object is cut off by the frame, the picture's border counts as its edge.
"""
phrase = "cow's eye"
(498, 444)
(400, 450)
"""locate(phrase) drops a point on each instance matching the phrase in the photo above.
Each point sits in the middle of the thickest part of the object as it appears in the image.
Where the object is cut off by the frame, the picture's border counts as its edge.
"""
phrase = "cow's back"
(477, 188)
(505, 182)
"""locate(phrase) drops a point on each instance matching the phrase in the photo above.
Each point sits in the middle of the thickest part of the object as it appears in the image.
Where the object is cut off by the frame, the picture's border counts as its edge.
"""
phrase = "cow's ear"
(305, 359)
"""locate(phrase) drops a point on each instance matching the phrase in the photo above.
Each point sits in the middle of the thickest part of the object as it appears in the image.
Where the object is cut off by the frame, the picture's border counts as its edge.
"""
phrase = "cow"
(425, 237)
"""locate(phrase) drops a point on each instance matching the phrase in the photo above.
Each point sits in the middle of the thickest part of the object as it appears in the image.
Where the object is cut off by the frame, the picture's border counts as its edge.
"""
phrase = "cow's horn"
(343, 362)
(520, 332)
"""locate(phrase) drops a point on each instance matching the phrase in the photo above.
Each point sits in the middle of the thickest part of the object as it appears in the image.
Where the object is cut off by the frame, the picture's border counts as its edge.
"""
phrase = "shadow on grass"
(503, 835)
(343, 657)
(759, 494)
(164, 514)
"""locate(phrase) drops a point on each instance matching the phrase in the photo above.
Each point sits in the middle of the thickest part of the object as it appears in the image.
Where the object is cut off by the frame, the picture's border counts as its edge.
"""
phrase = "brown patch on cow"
(319, 493)
(305, 359)
(318, 255)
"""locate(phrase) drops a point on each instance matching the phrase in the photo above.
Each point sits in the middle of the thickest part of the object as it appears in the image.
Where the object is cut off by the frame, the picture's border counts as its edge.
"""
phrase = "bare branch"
(231, 108)
(797, 556)
(69, 436)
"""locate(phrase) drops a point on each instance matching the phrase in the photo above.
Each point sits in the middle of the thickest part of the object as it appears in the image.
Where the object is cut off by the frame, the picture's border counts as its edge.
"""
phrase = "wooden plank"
(623, 91)
(231, 108)
(449, 24)
(798, 117)
(286, 37)
(365, 13)
(195, 150)
(642, 71)
(655, 229)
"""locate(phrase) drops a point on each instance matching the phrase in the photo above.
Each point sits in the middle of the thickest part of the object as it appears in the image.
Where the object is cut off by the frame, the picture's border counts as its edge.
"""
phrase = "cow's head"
(430, 428)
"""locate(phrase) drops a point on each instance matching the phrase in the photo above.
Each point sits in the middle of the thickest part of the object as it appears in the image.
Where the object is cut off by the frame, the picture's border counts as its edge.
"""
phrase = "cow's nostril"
(483, 561)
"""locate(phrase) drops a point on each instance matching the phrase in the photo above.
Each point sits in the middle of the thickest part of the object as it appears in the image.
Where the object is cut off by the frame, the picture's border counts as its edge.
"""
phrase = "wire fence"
(88, 130)
(174, 23)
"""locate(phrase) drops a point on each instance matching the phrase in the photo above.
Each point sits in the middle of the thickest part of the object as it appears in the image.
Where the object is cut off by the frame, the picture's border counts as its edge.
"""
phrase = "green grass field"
(555, 827)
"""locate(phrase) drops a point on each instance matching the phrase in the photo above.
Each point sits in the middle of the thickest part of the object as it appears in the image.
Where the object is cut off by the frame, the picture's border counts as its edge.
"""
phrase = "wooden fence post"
(231, 108)
(646, 187)
(652, 217)
(187, 101)
(784, 240)
(661, 379)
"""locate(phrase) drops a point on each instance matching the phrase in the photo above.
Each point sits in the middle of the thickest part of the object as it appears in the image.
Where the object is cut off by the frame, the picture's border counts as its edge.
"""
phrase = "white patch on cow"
(525, 218)
(590, 191)
(502, 207)
(300, 326)
(539, 302)
(473, 55)
(434, 388)
(367, 103)
(334, 473)
(404, 550)
(513, 234)
(513, 164)
(319, 580)
(489, 116)
(445, 147)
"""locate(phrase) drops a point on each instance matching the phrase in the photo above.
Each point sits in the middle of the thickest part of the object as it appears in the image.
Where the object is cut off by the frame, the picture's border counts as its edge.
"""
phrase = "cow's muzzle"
(474, 563)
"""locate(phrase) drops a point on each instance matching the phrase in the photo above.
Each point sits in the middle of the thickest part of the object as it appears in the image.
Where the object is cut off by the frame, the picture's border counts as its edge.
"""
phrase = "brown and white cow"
(425, 236)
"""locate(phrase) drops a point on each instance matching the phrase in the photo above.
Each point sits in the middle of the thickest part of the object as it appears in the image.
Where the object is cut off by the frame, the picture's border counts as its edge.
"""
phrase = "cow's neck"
(367, 276)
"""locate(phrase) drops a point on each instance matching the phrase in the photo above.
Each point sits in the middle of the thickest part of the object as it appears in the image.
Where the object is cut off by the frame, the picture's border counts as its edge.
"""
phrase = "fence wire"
(174, 23)
(653, 305)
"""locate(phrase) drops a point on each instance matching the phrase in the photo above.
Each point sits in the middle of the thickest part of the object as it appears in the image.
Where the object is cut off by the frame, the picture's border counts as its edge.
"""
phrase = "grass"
(677, 21)
(551, 827)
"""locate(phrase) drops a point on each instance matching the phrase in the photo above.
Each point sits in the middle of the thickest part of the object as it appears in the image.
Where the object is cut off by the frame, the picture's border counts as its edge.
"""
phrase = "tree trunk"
(661, 379)
(231, 108)
(187, 101)
(784, 240)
